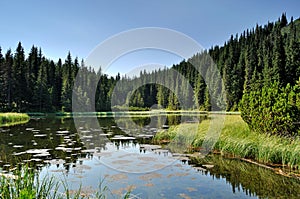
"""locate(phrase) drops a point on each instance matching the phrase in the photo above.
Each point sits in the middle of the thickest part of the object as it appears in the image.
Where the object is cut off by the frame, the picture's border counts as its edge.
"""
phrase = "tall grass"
(237, 139)
(26, 184)
(11, 118)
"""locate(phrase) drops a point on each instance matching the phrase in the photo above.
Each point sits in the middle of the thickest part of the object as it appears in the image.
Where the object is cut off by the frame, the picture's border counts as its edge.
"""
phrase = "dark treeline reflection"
(249, 178)
(45, 139)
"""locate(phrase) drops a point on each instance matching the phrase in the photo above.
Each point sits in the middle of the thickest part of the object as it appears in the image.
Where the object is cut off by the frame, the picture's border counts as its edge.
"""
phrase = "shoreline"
(238, 141)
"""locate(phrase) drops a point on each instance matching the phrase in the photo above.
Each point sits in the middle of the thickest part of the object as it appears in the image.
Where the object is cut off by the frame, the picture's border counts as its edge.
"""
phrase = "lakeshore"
(237, 140)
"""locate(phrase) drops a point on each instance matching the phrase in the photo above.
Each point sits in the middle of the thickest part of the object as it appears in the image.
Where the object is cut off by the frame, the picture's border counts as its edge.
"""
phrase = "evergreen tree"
(199, 92)
(42, 94)
(57, 87)
(2, 81)
(292, 67)
(8, 80)
(278, 72)
(250, 63)
(19, 83)
(67, 85)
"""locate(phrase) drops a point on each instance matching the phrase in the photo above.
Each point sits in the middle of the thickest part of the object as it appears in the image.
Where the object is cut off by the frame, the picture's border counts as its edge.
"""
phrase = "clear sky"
(59, 26)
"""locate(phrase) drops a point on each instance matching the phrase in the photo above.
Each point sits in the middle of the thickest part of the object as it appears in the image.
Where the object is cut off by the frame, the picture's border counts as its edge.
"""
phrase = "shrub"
(272, 109)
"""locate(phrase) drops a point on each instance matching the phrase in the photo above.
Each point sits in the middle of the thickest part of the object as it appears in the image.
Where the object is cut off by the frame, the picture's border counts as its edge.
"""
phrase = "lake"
(120, 155)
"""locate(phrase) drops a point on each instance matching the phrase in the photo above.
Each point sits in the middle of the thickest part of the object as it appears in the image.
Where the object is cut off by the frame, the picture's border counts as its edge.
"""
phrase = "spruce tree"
(20, 84)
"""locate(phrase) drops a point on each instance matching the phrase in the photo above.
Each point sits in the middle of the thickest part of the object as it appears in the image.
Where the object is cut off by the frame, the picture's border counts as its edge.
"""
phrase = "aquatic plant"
(10, 118)
(238, 140)
(26, 183)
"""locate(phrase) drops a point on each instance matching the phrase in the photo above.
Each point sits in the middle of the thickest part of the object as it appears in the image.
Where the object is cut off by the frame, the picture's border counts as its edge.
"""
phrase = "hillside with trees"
(250, 61)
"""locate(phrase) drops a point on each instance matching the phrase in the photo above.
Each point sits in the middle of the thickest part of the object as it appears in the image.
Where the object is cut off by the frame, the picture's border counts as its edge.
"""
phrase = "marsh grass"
(24, 183)
(237, 139)
(13, 118)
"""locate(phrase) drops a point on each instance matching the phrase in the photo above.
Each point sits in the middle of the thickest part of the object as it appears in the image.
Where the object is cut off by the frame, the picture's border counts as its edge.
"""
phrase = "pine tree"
(20, 83)
(207, 101)
(199, 92)
(278, 72)
(267, 63)
(8, 68)
(57, 87)
(250, 63)
(67, 83)
(292, 67)
(42, 94)
(2, 81)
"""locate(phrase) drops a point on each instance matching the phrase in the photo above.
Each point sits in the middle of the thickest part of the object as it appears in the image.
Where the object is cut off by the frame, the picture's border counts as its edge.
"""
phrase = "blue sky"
(79, 26)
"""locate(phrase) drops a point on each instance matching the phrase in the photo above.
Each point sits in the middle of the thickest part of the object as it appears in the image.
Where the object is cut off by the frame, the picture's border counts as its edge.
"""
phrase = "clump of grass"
(18, 185)
(10, 118)
(25, 183)
(237, 139)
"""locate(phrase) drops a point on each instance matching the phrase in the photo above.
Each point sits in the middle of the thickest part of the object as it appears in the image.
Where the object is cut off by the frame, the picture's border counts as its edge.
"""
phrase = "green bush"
(272, 109)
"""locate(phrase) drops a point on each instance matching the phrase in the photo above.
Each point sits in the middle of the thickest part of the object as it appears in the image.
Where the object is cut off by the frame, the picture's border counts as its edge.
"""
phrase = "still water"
(122, 158)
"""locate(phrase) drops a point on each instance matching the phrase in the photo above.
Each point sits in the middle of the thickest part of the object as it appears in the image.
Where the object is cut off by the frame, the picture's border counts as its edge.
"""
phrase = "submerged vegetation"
(237, 139)
(13, 118)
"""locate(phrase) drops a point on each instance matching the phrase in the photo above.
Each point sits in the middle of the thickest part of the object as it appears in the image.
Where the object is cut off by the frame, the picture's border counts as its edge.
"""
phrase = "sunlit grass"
(237, 139)
(13, 118)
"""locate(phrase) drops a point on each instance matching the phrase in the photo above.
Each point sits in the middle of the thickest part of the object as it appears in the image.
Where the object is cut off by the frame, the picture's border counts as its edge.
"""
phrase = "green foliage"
(272, 109)
(11, 118)
(24, 183)
(255, 58)
(238, 140)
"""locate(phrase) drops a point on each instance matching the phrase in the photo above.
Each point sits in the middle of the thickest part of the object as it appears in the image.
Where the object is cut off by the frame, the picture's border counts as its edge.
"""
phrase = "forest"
(252, 60)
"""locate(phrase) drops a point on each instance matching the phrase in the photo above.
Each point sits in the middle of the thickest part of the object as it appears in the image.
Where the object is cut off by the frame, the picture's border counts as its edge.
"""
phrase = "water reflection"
(88, 154)
(58, 139)
(249, 178)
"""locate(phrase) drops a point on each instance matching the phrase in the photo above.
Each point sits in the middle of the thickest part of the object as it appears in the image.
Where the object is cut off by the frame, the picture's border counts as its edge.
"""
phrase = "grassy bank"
(25, 183)
(13, 118)
(238, 140)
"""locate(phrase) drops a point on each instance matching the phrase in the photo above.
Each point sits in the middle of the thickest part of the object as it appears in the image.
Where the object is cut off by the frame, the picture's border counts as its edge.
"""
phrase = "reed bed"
(238, 140)
(10, 118)
(25, 183)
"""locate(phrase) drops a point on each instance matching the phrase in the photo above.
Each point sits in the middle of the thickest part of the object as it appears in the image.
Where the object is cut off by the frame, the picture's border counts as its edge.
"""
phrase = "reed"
(237, 139)
(25, 183)
(10, 118)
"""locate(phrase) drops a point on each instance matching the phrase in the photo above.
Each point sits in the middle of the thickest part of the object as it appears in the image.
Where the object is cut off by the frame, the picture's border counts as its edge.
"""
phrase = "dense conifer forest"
(249, 61)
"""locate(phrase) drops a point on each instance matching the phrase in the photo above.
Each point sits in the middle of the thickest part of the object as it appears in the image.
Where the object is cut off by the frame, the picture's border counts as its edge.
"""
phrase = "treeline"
(38, 84)
(257, 58)
(254, 59)
(179, 87)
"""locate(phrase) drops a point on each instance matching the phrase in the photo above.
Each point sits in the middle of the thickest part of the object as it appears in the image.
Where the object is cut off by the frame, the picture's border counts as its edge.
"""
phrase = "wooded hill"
(253, 59)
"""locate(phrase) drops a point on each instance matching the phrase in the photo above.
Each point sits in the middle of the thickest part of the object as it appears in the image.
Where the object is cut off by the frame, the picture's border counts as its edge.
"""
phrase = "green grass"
(13, 118)
(237, 139)
(25, 184)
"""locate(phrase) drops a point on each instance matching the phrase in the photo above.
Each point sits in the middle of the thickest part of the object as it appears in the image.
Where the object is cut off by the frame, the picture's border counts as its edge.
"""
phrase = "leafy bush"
(272, 109)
